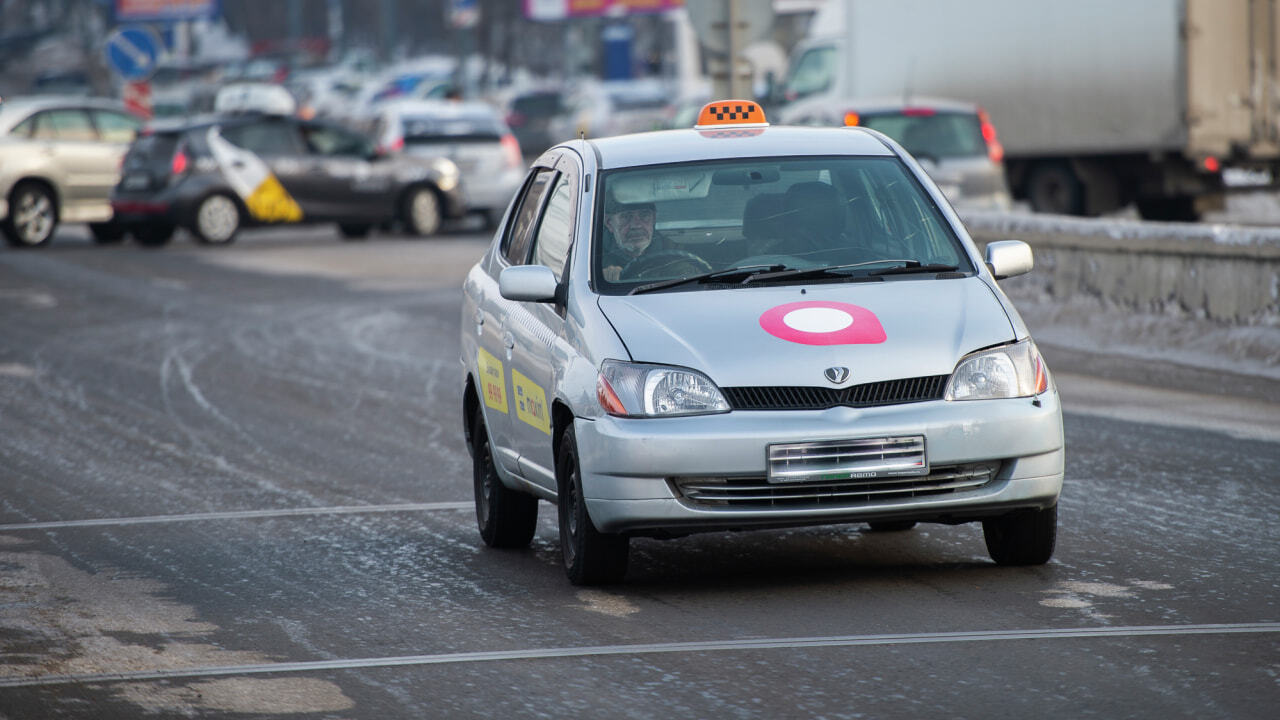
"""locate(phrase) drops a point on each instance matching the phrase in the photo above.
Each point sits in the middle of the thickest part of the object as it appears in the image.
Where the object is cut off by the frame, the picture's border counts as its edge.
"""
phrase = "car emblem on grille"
(837, 375)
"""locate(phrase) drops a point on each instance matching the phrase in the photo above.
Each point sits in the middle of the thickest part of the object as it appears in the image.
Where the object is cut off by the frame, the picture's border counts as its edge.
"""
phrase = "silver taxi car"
(739, 326)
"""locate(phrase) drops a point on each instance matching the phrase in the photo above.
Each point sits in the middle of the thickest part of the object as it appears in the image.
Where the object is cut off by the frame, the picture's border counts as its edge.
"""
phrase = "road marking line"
(645, 649)
(239, 514)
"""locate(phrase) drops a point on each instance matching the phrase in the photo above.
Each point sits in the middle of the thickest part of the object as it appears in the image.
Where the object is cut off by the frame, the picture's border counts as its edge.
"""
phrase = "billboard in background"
(561, 9)
(160, 10)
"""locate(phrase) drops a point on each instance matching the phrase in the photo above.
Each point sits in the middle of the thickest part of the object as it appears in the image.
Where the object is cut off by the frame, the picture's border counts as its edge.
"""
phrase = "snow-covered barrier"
(1226, 274)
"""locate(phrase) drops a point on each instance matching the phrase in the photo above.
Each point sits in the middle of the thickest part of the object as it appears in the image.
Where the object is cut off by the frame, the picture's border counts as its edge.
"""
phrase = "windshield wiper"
(746, 271)
(827, 271)
(914, 266)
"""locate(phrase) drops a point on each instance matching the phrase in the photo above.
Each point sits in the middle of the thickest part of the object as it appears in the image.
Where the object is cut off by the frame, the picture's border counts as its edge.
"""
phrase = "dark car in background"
(954, 141)
(218, 174)
(529, 115)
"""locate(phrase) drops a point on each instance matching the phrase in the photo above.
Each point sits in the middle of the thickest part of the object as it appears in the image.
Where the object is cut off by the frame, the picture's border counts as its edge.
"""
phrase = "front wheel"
(217, 220)
(590, 556)
(507, 519)
(33, 216)
(1022, 537)
(422, 213)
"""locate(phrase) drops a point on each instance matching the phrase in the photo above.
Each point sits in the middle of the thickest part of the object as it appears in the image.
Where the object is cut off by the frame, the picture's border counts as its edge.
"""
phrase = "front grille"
(756, 493)
(888, 392)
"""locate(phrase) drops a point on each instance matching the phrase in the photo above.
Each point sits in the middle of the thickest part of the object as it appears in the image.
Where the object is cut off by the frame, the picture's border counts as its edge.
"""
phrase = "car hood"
(748, 337)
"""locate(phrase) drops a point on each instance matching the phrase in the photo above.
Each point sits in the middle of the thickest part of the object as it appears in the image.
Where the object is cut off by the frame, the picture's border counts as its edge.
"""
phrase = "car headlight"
(643, 390)
(448, 173)
(1011, 371)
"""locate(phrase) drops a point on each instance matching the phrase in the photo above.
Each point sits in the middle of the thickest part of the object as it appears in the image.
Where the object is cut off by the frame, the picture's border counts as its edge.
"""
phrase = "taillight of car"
(179, 163)
(515, 119)
(512, 147)
(394, 146)
(995, 150)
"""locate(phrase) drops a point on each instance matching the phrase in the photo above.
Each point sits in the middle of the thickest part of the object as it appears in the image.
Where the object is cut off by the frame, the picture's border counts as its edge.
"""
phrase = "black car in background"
(216, 175)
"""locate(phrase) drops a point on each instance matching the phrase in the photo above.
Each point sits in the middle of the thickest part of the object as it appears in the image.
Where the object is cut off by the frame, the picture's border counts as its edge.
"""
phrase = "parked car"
(218, 174)
(954, 140)
(471, 134)
(59, 158)
(737, 326)
(529, 115)
(613, 107)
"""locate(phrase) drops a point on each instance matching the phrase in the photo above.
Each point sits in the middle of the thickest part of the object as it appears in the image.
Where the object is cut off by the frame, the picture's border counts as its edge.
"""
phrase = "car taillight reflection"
(995, 150)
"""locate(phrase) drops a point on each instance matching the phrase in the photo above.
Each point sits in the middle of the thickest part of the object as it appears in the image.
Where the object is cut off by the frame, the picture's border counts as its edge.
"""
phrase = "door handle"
(508, 340)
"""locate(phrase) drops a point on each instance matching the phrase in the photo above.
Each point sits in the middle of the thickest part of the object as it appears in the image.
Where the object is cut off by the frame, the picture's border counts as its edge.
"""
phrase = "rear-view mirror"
(528, 283)
(1007, 258)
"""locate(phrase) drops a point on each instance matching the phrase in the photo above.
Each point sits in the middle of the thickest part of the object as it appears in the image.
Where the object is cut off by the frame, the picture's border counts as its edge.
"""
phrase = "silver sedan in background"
(471, 134)
(740, 326)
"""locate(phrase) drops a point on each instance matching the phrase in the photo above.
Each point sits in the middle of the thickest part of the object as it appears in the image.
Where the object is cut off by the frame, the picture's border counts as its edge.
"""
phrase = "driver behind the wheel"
(629, 236)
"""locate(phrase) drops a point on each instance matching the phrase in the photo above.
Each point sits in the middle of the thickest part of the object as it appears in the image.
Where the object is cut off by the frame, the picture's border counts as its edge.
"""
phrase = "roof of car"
(886, 104)
(439, 108)
(673, 146)
(28, 103)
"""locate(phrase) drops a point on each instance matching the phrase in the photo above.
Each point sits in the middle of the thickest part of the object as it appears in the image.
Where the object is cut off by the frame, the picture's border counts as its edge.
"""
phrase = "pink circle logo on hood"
(818, 322)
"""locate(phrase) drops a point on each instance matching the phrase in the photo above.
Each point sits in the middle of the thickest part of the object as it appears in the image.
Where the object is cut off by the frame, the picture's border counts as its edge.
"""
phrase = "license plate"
(136, 181)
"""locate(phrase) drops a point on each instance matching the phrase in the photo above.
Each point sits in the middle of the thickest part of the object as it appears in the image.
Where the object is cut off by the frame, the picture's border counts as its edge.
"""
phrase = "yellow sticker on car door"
(531, 402)
(493, 381)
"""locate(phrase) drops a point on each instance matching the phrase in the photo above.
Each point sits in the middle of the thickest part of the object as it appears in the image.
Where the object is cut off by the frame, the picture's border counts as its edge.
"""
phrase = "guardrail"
(1229, 275)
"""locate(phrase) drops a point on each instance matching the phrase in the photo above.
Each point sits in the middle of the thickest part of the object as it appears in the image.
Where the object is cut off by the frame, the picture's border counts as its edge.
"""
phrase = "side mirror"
(528, 283)
(1007, 258)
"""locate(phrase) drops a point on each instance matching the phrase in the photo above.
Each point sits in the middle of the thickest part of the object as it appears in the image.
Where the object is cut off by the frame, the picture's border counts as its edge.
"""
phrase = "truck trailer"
(1099, 104)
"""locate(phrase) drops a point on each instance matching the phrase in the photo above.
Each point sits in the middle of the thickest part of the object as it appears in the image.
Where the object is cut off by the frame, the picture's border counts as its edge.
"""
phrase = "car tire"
(216, 220)
(1053, 187)
(891, 525)
(590, 556)
(108, 233)
(153, 234)
(354, 231)
(421, 212)
(507, 519)
(33, 215)
(1022, 537)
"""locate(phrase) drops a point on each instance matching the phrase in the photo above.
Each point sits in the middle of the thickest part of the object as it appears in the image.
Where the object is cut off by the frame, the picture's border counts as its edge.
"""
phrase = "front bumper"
(628, 465)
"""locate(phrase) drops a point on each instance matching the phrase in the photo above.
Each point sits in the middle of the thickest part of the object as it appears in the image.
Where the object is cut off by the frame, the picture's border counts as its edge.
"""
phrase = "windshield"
(932, 135)
(811, 73)
(664, 223)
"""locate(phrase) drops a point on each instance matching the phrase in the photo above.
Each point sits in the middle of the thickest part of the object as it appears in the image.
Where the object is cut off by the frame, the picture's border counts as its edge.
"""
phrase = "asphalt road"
(233, 484)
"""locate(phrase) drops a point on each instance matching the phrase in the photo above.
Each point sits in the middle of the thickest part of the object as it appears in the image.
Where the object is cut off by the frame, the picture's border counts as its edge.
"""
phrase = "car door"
(496, 350)
(274, 143)
(84, 167)
(537, 330)
(347, 181)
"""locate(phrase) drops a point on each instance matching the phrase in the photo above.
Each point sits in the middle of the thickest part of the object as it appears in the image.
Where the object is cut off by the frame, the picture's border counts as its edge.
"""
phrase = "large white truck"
(1098, 103)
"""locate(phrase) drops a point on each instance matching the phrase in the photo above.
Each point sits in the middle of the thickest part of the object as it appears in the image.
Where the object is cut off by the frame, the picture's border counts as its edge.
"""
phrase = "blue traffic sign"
(132, 52)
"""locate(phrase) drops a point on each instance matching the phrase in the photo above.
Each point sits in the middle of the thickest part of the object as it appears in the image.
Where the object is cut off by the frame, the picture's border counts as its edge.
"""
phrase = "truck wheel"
(153, 234)
(107, 233)
(33, 215)
(590, 556)
(217, 220)
(1054, 188)
(422, 214)
(1022, 537)
(1174, 209)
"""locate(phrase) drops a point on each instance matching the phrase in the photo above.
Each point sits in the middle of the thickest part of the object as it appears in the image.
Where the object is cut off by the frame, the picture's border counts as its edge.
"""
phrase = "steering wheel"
(644, 268)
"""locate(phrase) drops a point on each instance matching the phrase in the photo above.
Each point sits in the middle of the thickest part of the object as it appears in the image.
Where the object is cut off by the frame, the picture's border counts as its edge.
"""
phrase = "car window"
(812, 73)
(932, 135)
(801, 212)
(421, 129)
(116, 127)
(329, 140)
(265, 138)
(515, 246)
(66, 125)
(24, 128)
(551, 243)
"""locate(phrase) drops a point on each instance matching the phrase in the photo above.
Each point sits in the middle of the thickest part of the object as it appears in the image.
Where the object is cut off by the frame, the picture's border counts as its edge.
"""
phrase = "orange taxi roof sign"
(723, 113)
